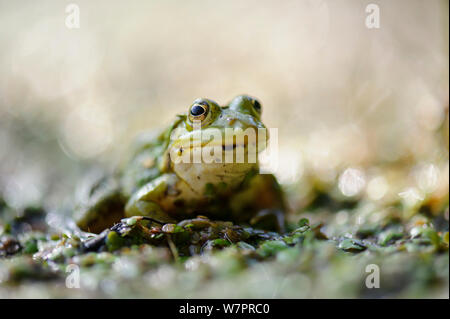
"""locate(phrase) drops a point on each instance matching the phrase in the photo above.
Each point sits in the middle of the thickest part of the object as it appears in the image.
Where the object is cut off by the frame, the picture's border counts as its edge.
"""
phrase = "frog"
(164, 181)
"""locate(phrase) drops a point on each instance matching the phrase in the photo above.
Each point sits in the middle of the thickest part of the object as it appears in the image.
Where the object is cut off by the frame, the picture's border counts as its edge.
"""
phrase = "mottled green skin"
(154, 184)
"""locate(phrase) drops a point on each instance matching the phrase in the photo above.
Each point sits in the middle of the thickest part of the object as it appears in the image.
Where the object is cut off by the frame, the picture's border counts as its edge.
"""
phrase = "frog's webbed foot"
(101, 204)
(269, 219)
(144, 201)
(261, 203)
(148, 209)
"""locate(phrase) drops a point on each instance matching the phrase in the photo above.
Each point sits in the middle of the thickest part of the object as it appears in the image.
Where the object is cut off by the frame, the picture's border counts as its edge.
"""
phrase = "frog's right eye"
(198, 111)
(256, 105)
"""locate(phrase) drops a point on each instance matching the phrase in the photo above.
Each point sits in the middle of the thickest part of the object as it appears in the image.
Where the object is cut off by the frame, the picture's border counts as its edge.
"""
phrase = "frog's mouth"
(234, 145)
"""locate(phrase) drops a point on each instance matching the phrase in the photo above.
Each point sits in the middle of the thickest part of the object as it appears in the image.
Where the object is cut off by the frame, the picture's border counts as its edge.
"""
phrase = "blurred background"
(357, 109)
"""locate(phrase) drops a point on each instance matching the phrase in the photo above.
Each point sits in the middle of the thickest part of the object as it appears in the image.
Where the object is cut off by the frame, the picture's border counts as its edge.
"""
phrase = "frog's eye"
(256, 105)
(199, 111)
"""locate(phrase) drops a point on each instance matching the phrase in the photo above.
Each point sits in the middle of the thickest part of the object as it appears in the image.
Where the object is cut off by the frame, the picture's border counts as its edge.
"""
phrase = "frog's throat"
(213, 137)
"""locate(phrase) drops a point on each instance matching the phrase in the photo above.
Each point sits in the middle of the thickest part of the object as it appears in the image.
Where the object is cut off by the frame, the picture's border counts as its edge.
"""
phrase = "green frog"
(205, 163)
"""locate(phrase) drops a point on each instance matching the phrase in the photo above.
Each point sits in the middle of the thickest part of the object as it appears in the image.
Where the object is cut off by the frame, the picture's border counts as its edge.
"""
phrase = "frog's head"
(218, 144)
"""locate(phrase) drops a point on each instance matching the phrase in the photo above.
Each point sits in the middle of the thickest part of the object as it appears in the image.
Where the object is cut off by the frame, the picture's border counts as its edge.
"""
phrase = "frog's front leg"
(146, 200)
(260, 202)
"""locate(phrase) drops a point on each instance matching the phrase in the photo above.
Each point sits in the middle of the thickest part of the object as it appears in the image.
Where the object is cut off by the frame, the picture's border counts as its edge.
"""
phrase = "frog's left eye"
(199, 111)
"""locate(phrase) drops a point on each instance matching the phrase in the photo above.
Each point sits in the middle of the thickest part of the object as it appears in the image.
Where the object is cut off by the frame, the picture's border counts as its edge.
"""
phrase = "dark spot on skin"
(198, 177)
(225, 147)
(231, 121)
